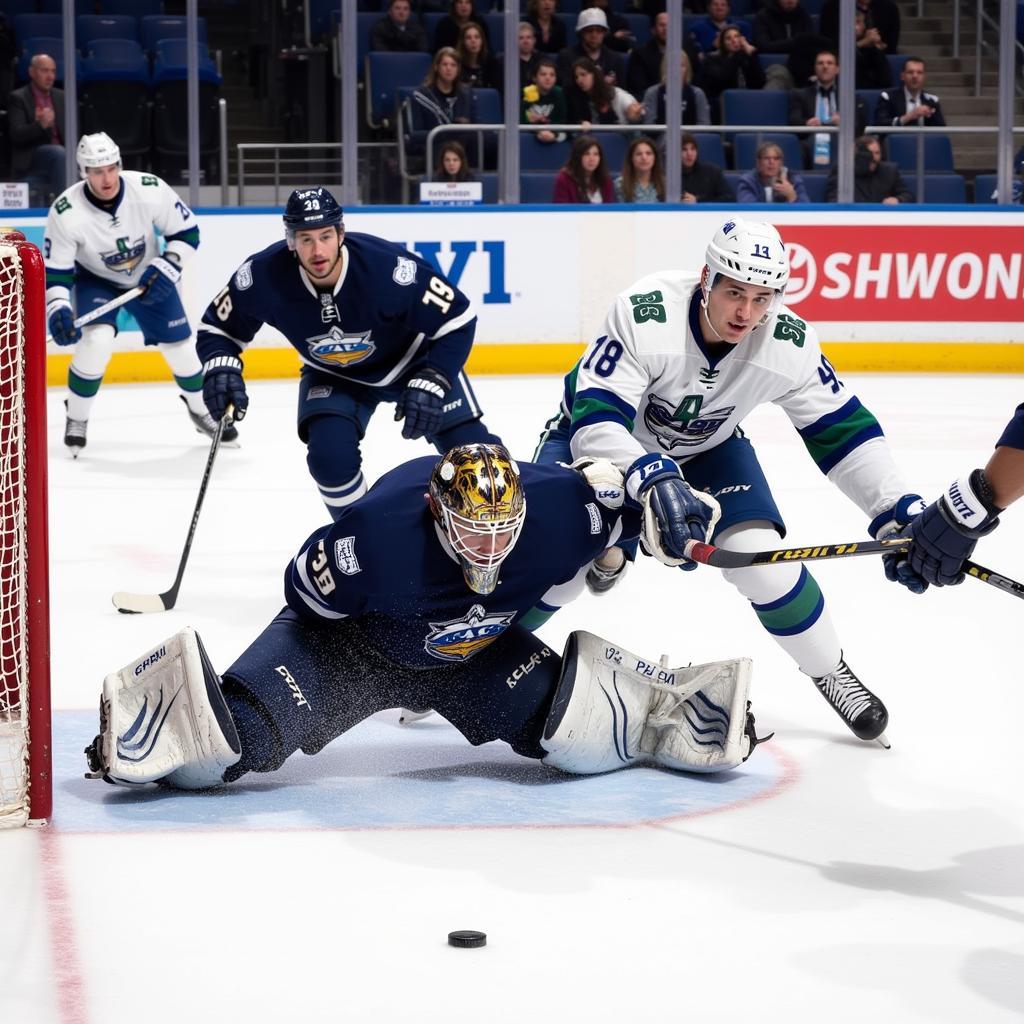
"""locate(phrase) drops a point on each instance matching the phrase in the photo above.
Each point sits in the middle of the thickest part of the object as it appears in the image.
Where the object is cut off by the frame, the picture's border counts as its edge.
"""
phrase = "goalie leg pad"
(163, 718)
(612, 709)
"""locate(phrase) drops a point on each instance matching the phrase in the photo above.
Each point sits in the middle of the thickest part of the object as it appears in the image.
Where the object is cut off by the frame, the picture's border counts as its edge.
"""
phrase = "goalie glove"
(160, 279)
(673, 512)
(421, 405)
(895, 522)
(945, 533)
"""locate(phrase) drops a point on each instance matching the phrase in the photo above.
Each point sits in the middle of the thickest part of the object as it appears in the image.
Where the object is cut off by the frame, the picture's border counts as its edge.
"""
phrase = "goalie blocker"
(168, 717)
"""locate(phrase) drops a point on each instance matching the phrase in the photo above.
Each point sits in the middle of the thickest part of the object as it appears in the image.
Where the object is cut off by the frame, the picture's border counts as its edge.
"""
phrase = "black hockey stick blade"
(995, 579)
(138, 604)
(708, 554)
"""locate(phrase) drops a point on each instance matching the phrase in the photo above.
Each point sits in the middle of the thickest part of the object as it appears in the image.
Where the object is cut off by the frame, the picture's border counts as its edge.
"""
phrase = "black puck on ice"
(467, 939)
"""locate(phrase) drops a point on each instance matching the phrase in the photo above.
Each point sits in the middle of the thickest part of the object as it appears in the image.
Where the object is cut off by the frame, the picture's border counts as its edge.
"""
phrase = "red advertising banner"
(906, 272)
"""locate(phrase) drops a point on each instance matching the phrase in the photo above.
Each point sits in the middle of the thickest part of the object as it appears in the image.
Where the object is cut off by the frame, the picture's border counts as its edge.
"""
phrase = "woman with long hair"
(479, 68)
(696, 109)
(551, 34)
(584, 178)
(733, 65)
(449, 28)
(591, 100)
(452, 163)
(642, 180)
(441, 99)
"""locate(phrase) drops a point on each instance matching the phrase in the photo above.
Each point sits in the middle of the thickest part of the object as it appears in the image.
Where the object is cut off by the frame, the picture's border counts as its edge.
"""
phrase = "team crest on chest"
(459, 639)
(683, 425)
(336, 348)
(126, 257)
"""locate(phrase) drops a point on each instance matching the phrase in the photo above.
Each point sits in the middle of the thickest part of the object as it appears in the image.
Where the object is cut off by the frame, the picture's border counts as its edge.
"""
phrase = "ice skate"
(206, 424)
(855, 704)
(74, 435)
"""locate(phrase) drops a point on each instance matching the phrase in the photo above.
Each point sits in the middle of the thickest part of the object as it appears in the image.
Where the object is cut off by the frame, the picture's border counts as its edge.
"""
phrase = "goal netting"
(25, 778)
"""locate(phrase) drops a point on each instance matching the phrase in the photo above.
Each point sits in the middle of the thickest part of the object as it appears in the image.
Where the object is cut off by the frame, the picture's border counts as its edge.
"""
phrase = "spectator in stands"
(702, 182)
(449, 28)
(479, 69)
(779, 24)
(818, 104)
(441, 99)
(591, 30)
(584, 178)
(453, 164)
(696, 109)
(882, 15)
(529, 56)
(35, 124)
(544, 102)
(733, 65)
(551, 34)
(1017, 185)
(874, 180)
(642, 179)
(873, 71)
(708, 31)
(771, 181)
(911, 104)
(620, 36)
(398, 31)
(591, 100)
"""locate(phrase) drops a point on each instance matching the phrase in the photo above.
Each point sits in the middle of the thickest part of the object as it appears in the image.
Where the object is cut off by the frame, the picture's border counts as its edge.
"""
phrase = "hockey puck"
(467, 939)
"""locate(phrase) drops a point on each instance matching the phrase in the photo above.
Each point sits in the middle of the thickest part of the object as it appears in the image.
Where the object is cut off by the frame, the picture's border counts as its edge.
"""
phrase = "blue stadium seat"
(540, 156)
(495, 31)
(537, 186)
(613, 146)
(732, 179)
(710, 148)
(33, 26)
(745, 146)
(943, 188)
(114, 96)
(57, 6)
(170, 62)
(938, 152)
(136, 8)
(153, 28)
(869, 97)
(766, 60)
(385, 72)
(640, 26)
(12, 8)
(896, 62)
(816, 183)
(430, 23)
(984, 186)
(488, 106)
(490, 187)
(755, 106)
(115, 60)
(104, 26)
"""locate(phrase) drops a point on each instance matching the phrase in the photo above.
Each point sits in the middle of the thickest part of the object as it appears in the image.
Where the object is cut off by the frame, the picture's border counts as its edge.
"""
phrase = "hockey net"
(25, 776)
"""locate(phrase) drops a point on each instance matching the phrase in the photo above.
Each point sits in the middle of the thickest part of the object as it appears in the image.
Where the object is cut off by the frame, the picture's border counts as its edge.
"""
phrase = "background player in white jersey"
(101, 240)
(681, 360)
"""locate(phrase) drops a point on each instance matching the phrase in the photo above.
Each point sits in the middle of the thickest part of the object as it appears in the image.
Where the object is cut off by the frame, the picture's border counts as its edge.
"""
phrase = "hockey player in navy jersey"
(423, 594)
(371, 321)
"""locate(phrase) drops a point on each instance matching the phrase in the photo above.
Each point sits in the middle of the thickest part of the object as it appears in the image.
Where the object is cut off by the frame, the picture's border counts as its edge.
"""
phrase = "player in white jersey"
(681, 360)
(101, 240)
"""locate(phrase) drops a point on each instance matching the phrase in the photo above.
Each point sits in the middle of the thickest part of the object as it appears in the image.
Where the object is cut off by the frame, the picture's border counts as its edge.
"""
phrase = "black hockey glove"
(945, 533)
(421, 405)
(62, 322)
(895, 522)
(223, 386)
(160, 280)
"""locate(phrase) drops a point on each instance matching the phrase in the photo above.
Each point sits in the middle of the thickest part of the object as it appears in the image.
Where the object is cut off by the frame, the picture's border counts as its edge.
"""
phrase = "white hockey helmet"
(749, 251)
(97, 150)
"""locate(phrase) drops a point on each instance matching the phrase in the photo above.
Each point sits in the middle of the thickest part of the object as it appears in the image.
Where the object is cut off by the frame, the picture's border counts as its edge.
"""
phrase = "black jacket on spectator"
(557, 41)
(873, 71)
(448, 29)
(486, 76)
(892, 105)
(527, 68)
(617, 23)
(881, 14)
(775, 31)
(607, 60)
(387, 36)
(24, 131)
(803, 105)
(429, 107)
(881, 183)
(801, 57)
(729, 71)
(707, 182)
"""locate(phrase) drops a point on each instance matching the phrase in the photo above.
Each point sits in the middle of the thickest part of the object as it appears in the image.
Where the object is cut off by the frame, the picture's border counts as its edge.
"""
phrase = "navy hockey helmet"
(308, 209)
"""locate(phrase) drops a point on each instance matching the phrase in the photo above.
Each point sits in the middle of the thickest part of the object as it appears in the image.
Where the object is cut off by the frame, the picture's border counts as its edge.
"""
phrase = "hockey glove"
(605, 478)
(895, 522)
(159, 279)
(223, 386)
(62, 322)
(421, 405)
(945, 533)
(673, 512)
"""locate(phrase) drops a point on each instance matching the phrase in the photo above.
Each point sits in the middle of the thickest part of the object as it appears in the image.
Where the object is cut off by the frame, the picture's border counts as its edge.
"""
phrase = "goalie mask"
(751, 252)
(476, 496)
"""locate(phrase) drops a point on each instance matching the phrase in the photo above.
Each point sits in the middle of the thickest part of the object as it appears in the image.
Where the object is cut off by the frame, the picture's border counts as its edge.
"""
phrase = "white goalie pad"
(163, 717)
(613, 709)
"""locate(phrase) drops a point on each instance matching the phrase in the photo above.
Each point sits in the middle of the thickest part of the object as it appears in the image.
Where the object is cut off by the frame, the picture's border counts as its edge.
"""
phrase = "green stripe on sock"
(191, 384)
(794, 611)
(82, 387)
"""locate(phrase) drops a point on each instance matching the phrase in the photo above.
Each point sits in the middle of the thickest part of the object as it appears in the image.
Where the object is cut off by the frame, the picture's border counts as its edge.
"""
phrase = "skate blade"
(407, 716)
(882, 740)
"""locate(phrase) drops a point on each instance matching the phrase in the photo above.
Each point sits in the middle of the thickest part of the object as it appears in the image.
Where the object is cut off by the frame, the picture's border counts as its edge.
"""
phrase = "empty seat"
(115, 60)
(984, 188)
(104, 26)
(542, 156)
(745, 149)
(31, 26)
(766, 60)
(640, 26)
(943, 188)
(869, 97)
(755, 106)
(136, 8)
(536, 186)
(938, 152)
(170, 62)
(153, 28)
(385, 72)
(816, 183)
(613, 146)
(710, 148)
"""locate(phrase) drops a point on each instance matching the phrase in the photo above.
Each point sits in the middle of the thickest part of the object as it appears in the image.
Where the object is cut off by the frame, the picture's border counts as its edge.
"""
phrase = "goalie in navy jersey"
(423, 594)
(371, 321)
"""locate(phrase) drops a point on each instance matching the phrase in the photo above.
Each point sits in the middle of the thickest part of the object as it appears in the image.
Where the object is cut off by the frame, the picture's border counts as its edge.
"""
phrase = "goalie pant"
(301, 684)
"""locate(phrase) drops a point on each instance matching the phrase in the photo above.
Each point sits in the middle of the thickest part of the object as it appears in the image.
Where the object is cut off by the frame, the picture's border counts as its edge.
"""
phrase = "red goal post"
(26, 785)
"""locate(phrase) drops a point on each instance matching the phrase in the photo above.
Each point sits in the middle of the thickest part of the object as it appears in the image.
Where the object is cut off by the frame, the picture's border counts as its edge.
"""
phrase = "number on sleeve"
(440, 294)
(182, 209)
(605, 365)
(222, 303)
(828, 376)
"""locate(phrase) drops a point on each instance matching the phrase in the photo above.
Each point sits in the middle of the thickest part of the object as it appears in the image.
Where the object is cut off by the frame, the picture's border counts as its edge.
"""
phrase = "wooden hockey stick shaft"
(134, 604)
(94, 314)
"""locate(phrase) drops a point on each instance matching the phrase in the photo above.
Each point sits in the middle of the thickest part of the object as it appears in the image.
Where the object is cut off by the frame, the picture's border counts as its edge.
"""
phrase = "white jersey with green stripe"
(649, 384)
(117, 240)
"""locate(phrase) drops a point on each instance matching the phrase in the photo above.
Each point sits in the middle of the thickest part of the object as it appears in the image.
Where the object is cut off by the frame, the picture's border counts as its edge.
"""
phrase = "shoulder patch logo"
(595, 518)
(345, 556)
(405, 271)
(243, 276)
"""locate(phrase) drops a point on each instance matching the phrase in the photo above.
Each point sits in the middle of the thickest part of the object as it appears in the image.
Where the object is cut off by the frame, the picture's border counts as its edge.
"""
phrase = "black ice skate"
(74, 435)
(206, 424)
(855, 704)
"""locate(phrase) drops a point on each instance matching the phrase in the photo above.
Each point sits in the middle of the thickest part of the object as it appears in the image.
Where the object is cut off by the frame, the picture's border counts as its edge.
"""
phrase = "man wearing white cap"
(591, 35)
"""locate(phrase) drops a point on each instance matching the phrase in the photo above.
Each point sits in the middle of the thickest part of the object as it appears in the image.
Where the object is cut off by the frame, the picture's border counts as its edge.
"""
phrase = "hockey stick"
(979, 572)
(135, 604)
(94, 314)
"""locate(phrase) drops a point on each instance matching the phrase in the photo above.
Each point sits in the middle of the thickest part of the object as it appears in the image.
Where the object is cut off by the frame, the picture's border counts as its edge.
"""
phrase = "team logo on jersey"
(328, 310)
(337, 348)
(460, 639)
(673, 431)
(345, 556)
(405, 271)
(243, 276)
(126, 257)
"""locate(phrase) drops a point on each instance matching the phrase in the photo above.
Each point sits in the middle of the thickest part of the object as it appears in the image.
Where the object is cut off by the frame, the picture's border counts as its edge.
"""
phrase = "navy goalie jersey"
(389, 312)
(388, 565)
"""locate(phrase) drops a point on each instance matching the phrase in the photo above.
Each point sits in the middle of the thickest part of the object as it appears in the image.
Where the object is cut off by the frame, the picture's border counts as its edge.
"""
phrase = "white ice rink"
(825, 880)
